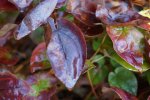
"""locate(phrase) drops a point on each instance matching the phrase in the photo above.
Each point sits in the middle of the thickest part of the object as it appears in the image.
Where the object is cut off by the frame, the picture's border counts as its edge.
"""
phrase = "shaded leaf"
(35, 18)
(127, 42)
(116, 12)
(123, 94)
(7, 6)
(21, 4)
(83, 10)
(7, 58)
(39, 59)
(123, 79)
(67, 52)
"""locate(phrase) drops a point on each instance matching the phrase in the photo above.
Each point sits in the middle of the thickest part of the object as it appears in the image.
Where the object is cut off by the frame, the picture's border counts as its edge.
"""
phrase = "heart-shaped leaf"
(67, 52)
(127, 42)
(123, 79)
(35, 18)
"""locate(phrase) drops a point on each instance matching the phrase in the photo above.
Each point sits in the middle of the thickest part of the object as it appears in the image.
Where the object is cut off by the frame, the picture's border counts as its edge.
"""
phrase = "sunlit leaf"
(123, 79)
(145, 13)
(35, 18)
(67, 52)
(127, 42)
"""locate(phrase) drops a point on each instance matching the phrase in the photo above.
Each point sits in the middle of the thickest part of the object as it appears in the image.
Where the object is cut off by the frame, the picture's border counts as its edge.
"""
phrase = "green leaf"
(147, 74)
(96, 44)
(123, 79)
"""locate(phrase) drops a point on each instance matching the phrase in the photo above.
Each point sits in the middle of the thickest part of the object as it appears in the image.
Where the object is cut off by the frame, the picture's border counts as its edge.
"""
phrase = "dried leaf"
(67, 52)
(35, 18)
(21, 4)
(127, 44)
(123, 94)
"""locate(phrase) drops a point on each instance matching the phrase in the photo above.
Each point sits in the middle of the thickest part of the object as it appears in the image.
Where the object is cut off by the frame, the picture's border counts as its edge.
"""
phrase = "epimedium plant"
(119, 31)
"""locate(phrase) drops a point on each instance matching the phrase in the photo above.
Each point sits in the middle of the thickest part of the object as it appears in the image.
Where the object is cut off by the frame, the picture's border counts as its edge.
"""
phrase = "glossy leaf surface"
(123, 79)
(127, 42)
(116, 12)
(67, 52)
(35, 18)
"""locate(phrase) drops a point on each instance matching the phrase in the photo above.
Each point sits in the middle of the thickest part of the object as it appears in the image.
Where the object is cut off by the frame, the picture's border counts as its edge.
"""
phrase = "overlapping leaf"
(21, 4)
(116, 12)
(127, 42)
(35, 18)
(67, 52)
(39, 59)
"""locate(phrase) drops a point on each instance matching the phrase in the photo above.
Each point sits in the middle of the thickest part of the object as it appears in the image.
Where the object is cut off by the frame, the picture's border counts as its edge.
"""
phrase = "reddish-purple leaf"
(116, 12)
(7, 58)
(144, 25)
(21, 4)
(147, 48)
(83, 10)
(67, 52)
(7, 6)
(148, 98)
(39, 59)
(35, 18)
(123, 94)
(127, 42)
(12, 88)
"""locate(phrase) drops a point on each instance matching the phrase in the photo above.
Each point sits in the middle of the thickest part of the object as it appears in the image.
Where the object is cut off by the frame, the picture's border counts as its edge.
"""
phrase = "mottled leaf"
(116, 12)
(83, 10)
(7, 6)
(35, 18)
(67, 52)
(123, 94)
(127, 42)
(12, 88)
(7, 57)
(21, 4)
(39, 59)
(123, 79)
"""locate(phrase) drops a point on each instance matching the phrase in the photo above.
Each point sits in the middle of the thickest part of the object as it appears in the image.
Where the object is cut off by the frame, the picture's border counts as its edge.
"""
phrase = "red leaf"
(6, 58)
(7, 6)
(127, 44)
(83, 10)
(117, 12)
(38, 59)
(12, 88)
(21, 4)
(67, 52)
(144, 25)
(35, 18)
(123, 94)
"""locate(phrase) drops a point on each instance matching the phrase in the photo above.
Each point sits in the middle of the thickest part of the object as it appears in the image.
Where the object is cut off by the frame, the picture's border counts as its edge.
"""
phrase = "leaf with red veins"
(35, 18)
(84, 10)
(7, 6)
(7, 58)
(127, 44)
(123, 94)
(12, 88)
(21, 4)
(39, 59)
(67, 52)
(117, 12)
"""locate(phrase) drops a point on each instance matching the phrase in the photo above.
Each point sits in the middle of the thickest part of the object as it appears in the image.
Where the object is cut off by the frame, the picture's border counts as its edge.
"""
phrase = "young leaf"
(35, 18)
(127, 42)
(67, 52)
(123, 79)
(39, 59)
(123, 94)
(21, 4)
